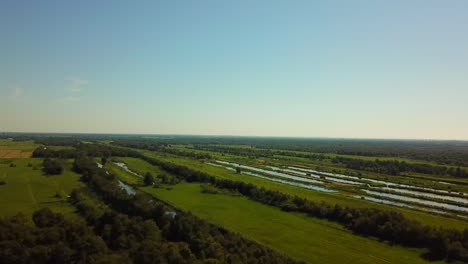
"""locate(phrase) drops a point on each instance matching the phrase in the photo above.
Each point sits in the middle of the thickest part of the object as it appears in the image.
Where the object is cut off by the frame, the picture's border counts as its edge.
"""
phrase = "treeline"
(246, 151)
(253, 152)
(443, 152)
(180, 239)
(163, 147)
(395, 167)
(84, 149)
(389, 226)
(140, 143)
(178, 152)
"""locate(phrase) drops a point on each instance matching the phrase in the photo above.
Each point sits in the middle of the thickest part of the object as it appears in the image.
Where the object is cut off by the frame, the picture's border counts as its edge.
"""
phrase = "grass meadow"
(27, 188)
(309, 239)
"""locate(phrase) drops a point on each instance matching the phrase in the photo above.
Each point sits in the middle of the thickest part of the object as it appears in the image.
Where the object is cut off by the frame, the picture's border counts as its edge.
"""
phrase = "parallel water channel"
(405, 192)
(386, 183)
(276, 177)
(425, 194)
(305, 186)
(389, 202)
(333, 179)
(273, 173)
(419, 201)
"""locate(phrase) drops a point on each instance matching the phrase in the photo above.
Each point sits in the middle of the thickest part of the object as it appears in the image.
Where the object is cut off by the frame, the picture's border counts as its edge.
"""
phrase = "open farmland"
(10, 149)
(308, 239)
(27, 188)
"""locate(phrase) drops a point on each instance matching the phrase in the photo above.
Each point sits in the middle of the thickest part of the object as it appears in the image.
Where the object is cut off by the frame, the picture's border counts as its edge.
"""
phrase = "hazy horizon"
(361, 69)
(224, 135)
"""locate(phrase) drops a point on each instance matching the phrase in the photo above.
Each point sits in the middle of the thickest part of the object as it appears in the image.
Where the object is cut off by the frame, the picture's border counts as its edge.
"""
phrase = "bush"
(149, 179)
(52, 167)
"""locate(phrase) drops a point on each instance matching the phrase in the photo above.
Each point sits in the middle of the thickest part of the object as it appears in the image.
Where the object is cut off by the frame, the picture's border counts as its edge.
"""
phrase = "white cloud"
(74, 86)
(17, 92)
(71, 98)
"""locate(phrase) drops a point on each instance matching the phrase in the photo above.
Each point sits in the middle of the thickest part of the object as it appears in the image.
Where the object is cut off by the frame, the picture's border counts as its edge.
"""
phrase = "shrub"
(52, 166)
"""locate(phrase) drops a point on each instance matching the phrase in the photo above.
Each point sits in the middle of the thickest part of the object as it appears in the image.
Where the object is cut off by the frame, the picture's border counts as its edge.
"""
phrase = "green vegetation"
(332, 198)
(155, 233)
(52, 166)
(123, 174)
(297, 235)
(149, 179)
(142, 167)
(287, 218)
(391, 226)
(51, 238)
(28, 145)
(27, 188)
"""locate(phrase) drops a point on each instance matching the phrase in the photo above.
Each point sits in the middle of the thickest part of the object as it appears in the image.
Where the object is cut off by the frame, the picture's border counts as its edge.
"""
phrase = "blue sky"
(366, 69)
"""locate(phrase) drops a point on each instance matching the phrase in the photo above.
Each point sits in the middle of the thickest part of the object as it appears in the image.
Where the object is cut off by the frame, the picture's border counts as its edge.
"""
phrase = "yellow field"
(10, 149)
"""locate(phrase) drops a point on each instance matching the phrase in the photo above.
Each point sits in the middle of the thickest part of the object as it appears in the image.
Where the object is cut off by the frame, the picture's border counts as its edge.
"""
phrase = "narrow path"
(31, 194)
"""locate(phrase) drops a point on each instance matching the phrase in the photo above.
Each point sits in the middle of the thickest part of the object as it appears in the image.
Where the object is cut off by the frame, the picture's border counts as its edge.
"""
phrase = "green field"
(139, 166)
(18, 145)
(123, 174)
(299, 236)
(332, 198)
(28, 189)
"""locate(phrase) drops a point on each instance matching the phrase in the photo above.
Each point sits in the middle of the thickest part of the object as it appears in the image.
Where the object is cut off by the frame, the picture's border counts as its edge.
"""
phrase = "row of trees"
(178, 152)
(395, 167)
(84, 149)
(185, 238)
(253, 152)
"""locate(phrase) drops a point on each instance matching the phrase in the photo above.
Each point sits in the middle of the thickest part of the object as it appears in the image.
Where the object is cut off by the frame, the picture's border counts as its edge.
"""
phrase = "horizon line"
(220, 135)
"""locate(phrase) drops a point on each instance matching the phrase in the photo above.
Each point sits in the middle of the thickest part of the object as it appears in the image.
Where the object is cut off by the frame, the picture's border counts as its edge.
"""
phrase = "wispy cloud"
(74, 86)
(16, 92)
(71, 98)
